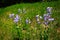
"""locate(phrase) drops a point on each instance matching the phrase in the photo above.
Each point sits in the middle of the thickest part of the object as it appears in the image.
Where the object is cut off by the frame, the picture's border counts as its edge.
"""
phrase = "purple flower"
(16, 19)
(49, 9)
(45, 18)
(11, 15)
(27, 21)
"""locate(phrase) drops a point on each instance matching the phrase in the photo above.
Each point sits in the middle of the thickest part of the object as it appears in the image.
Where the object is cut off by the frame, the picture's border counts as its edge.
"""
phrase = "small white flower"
(37, 15)
(29, 21)
(41, 17)
(51, 19)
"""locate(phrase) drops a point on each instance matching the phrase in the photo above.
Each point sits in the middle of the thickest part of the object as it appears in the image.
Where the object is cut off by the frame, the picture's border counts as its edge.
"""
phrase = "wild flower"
(16, 19)
(51, 19)
(45, 18)
(11, 15)
(41, 17)
(27, 21)
(49, 9)
(17, 16)
(37, 16)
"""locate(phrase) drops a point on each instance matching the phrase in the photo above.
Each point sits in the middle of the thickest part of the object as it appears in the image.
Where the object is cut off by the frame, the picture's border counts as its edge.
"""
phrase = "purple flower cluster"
(16, 19)
(47, 16)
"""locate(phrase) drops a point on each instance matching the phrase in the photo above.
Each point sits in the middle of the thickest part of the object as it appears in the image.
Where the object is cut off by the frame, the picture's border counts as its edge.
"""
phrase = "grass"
(33, 31)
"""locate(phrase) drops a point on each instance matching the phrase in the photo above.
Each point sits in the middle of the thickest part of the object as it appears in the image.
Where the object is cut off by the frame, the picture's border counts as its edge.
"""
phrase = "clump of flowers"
(46, 17)
(11, 15)
(16, 19)
(28, 21)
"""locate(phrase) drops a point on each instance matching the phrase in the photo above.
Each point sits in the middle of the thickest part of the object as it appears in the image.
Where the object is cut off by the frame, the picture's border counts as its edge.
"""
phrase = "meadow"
(33, 31)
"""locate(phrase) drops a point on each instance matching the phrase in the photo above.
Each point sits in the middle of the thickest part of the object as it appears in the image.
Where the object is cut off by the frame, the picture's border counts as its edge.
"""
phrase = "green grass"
(33, 31)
